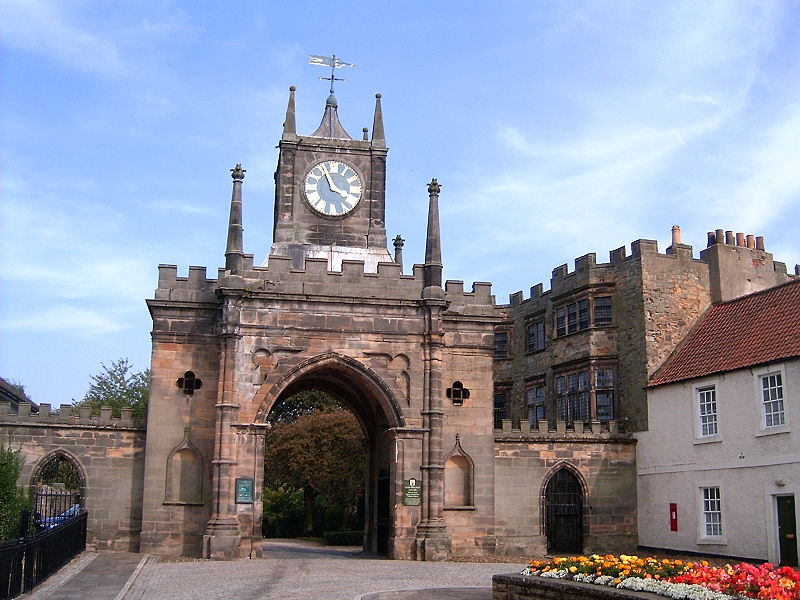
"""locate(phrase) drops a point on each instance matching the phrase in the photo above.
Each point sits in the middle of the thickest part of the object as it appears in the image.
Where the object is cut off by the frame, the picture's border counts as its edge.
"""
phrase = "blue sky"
(555, 128)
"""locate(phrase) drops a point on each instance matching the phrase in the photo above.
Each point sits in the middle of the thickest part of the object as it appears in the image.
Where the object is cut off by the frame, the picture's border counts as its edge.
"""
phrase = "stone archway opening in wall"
(563, 512)
(58, 487)
(351, 385)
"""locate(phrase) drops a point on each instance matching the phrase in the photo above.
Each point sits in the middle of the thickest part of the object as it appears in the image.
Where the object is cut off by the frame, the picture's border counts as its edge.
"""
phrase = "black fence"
(26, 562)
(52, 507)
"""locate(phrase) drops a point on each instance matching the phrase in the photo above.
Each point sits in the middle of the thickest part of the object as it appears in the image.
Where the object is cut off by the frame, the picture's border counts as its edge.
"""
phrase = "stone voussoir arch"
(346, 364)
(37, 470)
(563, 464)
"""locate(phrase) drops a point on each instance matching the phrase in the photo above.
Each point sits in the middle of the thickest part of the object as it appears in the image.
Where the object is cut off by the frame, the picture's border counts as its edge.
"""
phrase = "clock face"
(333, 188)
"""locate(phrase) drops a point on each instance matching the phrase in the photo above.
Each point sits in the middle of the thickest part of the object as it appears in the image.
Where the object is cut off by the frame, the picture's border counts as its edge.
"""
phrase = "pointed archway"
(563, 512)
(363, 392)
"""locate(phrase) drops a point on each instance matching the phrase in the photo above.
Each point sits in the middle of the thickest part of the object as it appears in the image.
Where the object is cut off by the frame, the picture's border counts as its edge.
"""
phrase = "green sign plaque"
(244, 490)
(412, 492)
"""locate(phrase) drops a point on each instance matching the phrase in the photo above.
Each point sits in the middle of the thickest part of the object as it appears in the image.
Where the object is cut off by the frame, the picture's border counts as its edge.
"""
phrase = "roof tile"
(755, 329)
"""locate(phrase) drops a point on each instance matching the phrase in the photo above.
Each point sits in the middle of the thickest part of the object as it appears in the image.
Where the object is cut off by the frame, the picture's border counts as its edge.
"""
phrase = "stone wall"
(657, 298)
(523, 587)
(109, 454)
(603, 459)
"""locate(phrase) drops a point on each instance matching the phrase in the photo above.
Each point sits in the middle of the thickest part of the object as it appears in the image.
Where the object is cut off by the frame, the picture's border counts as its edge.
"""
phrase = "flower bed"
(674, 578)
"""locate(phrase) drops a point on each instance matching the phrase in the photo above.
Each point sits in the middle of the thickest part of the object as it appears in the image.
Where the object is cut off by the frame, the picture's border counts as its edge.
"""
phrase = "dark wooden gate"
(563, 498)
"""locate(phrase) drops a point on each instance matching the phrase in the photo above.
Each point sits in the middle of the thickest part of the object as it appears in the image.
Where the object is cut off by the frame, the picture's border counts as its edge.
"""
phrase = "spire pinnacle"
(432, 268)
(234, 253)
(289, 124)
(378, 137)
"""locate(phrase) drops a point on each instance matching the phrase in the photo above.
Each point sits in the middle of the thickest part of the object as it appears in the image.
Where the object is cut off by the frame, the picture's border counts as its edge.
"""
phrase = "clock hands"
(330, 182)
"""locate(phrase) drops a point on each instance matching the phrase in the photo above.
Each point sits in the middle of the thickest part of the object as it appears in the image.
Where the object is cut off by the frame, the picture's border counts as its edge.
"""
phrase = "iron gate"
(564, 513)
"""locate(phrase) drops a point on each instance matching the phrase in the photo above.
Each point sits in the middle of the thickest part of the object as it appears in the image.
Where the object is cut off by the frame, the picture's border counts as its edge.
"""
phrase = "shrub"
(334, 518)
(12, 498)
(283, 512)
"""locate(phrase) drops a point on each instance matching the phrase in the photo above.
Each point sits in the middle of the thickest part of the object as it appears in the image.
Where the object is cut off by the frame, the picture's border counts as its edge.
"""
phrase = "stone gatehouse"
(517, 419)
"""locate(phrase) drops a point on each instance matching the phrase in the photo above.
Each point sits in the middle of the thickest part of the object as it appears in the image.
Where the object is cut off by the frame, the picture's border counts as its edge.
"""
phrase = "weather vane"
(333, 63)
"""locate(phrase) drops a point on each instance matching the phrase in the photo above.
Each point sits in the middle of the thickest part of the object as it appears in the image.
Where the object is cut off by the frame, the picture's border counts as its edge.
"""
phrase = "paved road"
(290, 570)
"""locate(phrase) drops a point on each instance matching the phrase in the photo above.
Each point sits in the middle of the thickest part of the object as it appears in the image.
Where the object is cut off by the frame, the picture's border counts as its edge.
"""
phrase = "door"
(564, 513)
(787, 530)
(384, 524)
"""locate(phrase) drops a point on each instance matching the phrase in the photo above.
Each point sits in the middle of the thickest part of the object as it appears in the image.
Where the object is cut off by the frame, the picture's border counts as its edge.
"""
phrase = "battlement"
(595, 430)
(278, 277)
(588, 271)
(70, 415)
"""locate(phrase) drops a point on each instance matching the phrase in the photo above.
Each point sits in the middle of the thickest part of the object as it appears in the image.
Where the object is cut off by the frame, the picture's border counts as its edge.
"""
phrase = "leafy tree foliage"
(19, 387)
(289, 409)
(61, 470)
(118, 386)
(320, 452)
(12, 498)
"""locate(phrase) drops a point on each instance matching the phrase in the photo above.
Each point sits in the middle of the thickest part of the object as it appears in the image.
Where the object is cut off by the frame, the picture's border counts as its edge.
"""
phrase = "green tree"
(322, 453)
(118, 386)
(302, 403)
(12, 498)
(19, 387)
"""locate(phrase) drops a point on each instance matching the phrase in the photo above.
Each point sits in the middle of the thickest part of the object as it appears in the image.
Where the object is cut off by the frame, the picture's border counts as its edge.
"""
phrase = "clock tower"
(330, 192)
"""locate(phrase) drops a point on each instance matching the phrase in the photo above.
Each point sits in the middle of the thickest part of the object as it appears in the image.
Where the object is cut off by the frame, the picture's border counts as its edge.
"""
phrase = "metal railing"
(26, 562)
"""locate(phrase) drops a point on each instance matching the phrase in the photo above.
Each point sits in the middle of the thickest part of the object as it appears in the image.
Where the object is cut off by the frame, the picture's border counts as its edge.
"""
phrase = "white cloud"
(63, 317)
(41, 26)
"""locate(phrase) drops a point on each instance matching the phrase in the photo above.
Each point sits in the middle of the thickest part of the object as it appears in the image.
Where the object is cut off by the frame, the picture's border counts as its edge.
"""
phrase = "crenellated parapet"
(79, 416)
(592, 431)
(279, 278)
(724, 256)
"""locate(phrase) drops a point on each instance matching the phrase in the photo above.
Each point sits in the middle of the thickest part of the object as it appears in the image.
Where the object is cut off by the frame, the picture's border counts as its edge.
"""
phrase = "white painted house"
(719, 467)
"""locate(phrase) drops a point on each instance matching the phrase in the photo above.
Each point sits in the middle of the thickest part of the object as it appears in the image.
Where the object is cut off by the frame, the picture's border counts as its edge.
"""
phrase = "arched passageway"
(359, 390)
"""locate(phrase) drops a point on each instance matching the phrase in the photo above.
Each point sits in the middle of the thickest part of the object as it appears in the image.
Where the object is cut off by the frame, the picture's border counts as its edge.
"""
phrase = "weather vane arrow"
(329, 61)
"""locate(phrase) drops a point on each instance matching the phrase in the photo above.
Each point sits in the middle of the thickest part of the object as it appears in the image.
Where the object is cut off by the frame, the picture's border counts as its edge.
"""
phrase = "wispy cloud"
(41, 26)
(81, 321)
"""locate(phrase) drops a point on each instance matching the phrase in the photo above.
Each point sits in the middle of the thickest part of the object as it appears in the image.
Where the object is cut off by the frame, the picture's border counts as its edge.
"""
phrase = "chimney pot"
(720, 236)
(712, 239)
(760, 242)
(676, 235)
(751, 242)
(730, 240)
(740, 239)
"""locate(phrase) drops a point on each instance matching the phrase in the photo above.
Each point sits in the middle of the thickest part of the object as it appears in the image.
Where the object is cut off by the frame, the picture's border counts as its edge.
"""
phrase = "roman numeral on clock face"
(332, 188)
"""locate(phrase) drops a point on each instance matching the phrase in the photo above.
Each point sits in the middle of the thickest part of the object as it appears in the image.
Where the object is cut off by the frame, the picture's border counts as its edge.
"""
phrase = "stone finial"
(237, 172)
(398, 250)
(434, 187)
(365, 133)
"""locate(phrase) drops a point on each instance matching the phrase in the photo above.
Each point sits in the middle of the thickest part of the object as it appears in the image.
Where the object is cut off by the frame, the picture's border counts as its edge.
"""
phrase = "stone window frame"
(776, 372)
(701, 434)
(583, 312)
(502, 350)
(539, 401)
(567, 408)
(503, 413)
(536, 339)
